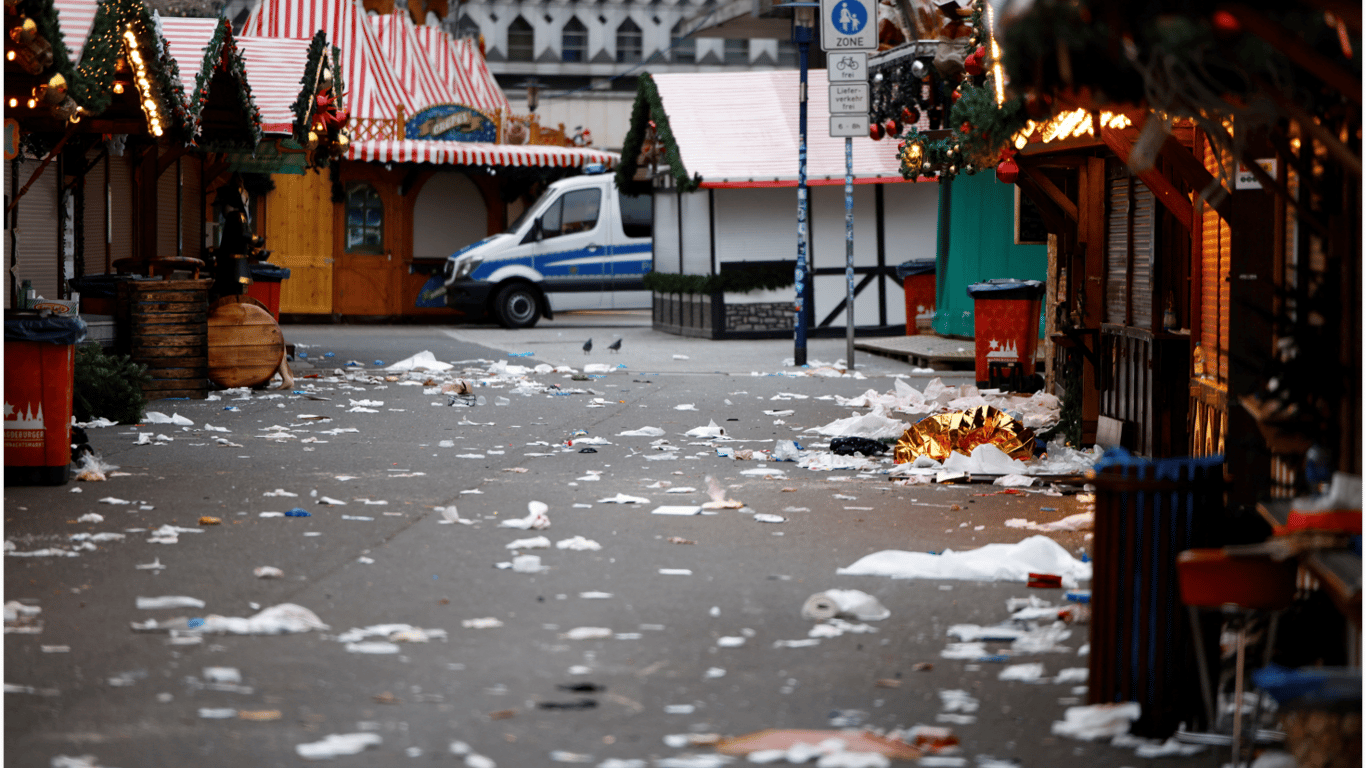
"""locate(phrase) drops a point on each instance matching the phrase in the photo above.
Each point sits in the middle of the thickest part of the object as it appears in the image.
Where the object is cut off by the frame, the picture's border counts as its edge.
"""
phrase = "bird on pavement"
(588, 346)
(615, 346)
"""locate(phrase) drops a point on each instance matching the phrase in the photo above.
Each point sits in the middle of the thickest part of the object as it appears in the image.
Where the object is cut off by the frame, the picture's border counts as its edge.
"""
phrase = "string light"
(147, 96)
(13, 103)
(997, 71)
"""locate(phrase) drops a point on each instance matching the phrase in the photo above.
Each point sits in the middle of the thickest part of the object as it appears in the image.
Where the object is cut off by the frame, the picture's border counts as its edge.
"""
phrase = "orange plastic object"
(1344, 520)
(1210, 578)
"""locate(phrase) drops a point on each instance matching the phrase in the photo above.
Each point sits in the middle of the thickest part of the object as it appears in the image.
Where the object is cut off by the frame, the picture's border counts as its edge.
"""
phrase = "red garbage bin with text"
(917, 280)
(1006, 331)
(40, 362)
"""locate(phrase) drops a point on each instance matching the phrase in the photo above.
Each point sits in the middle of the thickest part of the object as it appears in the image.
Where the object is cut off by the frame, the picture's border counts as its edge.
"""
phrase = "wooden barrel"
(245, 343)
(161, 324)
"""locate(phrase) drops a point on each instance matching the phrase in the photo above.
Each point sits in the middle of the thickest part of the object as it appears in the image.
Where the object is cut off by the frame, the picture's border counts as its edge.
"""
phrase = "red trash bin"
(265, 286)
(1006, 330)
(917, 280)
(40, 361)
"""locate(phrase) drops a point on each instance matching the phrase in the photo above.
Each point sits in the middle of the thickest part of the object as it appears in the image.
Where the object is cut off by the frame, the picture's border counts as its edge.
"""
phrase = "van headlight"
(462, 267)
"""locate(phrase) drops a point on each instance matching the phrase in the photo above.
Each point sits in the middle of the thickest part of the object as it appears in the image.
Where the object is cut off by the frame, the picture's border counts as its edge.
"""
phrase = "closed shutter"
(121, 204)
(192, 206)
(1215, 252)
(1129, 280)
(168, 213)
(37, 228)
(94, 222)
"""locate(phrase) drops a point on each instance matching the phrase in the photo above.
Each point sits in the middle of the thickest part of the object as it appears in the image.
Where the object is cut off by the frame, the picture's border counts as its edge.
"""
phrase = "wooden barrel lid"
(245, 343)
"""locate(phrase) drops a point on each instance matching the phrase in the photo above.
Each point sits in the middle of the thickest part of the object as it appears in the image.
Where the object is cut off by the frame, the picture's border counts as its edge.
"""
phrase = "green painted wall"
(981, 247)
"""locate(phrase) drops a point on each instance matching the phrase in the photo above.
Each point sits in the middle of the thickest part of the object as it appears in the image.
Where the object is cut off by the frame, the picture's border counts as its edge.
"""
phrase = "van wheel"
(517, 306)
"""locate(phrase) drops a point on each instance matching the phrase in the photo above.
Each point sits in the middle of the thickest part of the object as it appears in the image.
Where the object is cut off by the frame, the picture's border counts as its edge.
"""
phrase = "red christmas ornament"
(891, 127)
(909, 116)
(1226, 24)
(957, 94)
(973, 63)
(966, 127)
(875, 131)
(1007, 171)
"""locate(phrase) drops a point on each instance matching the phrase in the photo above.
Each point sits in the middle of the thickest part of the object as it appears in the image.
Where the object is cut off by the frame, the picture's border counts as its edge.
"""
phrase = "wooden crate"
(164, 326)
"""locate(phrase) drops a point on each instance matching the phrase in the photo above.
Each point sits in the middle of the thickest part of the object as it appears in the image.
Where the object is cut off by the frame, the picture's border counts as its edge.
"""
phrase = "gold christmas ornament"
(312, 142)
(343, 141)
(939, 435)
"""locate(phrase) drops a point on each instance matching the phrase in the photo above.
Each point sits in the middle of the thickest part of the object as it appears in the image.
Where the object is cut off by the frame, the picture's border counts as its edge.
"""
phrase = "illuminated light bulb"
(136, 57)
(150, 105)
(32, 103)
(13, 103)
(9, 55)
(118, 87)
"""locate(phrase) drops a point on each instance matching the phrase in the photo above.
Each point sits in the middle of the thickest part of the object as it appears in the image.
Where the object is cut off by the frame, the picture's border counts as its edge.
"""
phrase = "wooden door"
(299, 214)
(369, 252)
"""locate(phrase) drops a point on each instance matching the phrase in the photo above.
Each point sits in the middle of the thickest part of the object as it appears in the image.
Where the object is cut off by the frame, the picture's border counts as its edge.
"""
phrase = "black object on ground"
(848, 446)
(568, 705)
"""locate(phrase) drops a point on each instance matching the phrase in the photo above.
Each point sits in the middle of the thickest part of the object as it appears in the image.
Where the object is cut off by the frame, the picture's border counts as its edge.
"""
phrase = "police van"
(582, 245)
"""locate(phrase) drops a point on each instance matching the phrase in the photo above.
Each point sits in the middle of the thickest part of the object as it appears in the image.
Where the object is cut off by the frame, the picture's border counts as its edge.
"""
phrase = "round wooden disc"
(245, 343)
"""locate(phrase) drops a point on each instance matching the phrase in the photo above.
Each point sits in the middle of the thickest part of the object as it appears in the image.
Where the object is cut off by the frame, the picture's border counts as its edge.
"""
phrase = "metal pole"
(849, 252)
(803, 40)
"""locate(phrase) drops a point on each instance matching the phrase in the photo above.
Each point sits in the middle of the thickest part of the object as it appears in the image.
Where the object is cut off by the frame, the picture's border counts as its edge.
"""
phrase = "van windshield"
(527, 212)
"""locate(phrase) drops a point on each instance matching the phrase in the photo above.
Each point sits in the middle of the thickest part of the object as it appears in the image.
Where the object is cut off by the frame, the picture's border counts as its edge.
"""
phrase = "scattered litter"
(115, 501)
(806, 643)
(675, 572)
(155, 565)
(169, 601)
(423, 360)
(298, 512)
(571, 706)
(711, 430)
(679, 540)
(642, 432)
(676, 511)
(595, 595)
(850, 603)
(1081, 521)
(22, 619)
(90, 517)
(800, 746)
(718, 496)
(561, 756)
(536, 518)
(586, 633)
(259, 715)
(536, 542)
(285, 618)
(56, 648)
(1026, 673)
(1097, 721)
(766, 518)
(679, 709)
(622, 498)
(578, 543)
(335, 745)
(486, 623)
(154, 417)
(268, 572)
(730, 642)
(207, 520)
(993, 562)
(207, 713)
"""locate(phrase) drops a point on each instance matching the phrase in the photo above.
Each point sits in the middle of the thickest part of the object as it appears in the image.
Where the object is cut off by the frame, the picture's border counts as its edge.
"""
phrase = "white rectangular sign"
(848, 25)
(847, 67)
(849, 99)
(848, 126)
(1245, 179)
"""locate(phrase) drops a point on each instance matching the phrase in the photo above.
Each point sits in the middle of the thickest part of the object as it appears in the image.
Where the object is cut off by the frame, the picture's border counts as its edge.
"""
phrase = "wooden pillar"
(145, 225)
(1089, 270)
(1252, 293)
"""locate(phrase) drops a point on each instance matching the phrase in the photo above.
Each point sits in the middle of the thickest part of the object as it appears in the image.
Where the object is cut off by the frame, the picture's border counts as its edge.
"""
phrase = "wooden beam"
(1091, 230)
(1162, 189)
(167, 160)
(1053, 217)
(1298, 51)
(1193, 172)
(1046, 185)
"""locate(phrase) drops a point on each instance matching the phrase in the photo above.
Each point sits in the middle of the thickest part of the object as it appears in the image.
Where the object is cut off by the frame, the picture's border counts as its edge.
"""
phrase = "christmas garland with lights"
(650, 107)
(303, 106)
(223, 51)
(93, 85)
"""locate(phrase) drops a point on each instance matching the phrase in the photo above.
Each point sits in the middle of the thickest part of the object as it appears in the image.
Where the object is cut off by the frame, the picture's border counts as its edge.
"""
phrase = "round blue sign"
(849, 17)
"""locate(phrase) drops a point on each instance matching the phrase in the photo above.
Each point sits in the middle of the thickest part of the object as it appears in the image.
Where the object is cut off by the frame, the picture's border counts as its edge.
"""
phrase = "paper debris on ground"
(718, 497)
(642, 432)
(993, 562)
(676, 511)
(1097, 721)
(848, 603)
(535, 542)
(578, 543)
(337, 744)
(168, 601)
(536, 518)
(711, 430)
(1082, 521)
(154, 417)
(422, 360)
(285, 618)
(817, 743)
(873, 425)
(622, 498)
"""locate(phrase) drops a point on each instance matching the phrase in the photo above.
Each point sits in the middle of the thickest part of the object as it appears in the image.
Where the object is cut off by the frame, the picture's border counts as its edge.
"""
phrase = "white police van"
(582, 245)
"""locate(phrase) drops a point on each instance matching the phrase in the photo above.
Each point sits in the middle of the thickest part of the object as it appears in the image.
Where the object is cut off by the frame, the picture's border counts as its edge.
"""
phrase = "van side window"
(581, 208)
(550, 220)
(637, 215)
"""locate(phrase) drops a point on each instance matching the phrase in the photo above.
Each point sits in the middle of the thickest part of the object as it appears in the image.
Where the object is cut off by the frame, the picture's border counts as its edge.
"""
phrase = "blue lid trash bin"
(40, 357)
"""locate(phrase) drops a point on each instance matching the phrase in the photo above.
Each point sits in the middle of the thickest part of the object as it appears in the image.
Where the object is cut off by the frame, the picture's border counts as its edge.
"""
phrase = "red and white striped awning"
(398, 40)
(275, 69)
(75, 17)
(459, 63)
(372, 88)
(187, 40)
(740, 129)
(471, 153)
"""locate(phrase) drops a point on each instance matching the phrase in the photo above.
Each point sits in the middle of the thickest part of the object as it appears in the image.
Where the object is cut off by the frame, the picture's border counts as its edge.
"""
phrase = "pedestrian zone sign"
(848, 25)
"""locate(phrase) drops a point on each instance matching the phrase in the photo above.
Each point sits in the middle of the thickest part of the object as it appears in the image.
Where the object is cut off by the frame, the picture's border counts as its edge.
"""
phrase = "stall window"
(576, 211)
(364, 219)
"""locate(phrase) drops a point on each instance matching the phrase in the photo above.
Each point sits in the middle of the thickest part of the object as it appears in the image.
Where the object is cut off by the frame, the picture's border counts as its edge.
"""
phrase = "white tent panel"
(697, 233)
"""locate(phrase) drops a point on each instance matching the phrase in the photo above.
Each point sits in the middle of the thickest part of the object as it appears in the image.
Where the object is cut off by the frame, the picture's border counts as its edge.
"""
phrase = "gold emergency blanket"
(939, 435)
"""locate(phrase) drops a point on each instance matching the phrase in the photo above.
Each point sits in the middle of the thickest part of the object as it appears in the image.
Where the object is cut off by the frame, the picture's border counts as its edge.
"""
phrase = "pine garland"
(93, 85)
(649, 107)
(222, 52)
(741, 280)
(304, 105)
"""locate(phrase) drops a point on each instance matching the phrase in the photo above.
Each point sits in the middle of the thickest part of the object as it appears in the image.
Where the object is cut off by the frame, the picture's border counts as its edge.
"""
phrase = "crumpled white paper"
(993, 562)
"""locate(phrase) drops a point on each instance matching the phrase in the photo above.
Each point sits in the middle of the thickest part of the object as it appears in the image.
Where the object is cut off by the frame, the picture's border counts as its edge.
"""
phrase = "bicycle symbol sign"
(846, 26)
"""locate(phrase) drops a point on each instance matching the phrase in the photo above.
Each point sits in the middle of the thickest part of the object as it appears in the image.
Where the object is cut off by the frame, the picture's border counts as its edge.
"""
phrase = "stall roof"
(275, 68)
(469, 65)
(372, 89)
(202, 47)
(397, 38)
(76, 17)
(472, 153)
(740, 130)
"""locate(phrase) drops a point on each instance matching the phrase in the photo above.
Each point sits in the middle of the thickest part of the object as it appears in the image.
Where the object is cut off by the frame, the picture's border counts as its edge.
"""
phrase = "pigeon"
(588, 346)
(615, 346)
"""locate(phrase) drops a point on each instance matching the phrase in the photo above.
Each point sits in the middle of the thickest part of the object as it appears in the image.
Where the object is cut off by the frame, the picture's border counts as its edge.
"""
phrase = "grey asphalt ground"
(485, 686)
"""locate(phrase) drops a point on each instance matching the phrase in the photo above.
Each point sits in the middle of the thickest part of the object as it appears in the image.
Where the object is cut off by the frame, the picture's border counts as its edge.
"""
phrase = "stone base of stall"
(690, 314)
